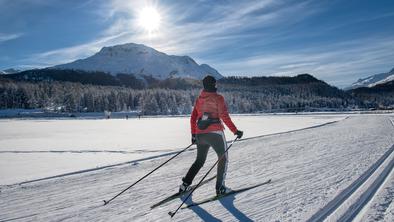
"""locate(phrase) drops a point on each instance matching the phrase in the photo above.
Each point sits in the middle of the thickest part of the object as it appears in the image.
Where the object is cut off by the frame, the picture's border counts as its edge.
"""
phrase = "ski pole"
(107, 201)
(172, 214)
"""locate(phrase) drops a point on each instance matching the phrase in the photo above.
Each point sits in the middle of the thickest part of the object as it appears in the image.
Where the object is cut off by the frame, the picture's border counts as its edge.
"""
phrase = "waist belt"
(203, 124)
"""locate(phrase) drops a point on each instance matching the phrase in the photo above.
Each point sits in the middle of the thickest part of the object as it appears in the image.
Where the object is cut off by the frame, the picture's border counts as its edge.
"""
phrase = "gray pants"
(204, 141)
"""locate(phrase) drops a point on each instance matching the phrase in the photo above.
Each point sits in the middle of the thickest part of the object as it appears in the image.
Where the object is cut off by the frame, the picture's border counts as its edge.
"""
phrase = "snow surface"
(381, 207)
(141, 60)
(33, 149)
(309, 168)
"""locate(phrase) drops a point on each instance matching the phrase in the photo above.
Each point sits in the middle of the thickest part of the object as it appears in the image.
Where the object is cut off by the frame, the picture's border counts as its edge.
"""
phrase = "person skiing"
(206, 119)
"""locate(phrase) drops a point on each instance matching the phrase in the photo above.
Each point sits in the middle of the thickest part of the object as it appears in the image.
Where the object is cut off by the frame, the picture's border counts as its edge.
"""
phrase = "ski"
(176, 195)
(224, 195)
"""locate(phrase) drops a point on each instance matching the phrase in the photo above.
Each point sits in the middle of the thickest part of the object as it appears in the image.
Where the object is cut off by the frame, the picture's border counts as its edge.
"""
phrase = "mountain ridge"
(9, 71)
(138, 59)
(372, 80)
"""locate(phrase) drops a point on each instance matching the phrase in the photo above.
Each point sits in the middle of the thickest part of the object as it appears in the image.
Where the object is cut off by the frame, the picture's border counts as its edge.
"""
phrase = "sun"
(149, 19)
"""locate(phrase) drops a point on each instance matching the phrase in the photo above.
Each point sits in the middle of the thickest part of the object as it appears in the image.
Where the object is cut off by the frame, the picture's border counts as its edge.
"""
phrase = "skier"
(207, 130)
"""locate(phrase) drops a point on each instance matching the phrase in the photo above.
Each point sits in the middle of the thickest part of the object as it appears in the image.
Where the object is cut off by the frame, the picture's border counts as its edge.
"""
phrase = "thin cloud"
(212, 30)
(221, 30)
(242, 38)
(69, 54)
(345, 61)
(7, 37)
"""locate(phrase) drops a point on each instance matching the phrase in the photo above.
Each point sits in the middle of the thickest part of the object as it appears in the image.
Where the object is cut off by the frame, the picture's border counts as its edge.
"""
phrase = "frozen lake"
(37, 148)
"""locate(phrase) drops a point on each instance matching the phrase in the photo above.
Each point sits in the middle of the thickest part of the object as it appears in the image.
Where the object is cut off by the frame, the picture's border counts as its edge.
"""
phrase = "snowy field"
(34, 149)
(338, 171)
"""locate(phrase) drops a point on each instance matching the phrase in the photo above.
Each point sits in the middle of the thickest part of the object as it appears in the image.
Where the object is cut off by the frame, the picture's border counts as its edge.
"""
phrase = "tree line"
(241, 97)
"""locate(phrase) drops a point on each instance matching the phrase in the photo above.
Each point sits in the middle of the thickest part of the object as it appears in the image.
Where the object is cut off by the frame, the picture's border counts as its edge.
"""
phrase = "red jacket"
(213, 103)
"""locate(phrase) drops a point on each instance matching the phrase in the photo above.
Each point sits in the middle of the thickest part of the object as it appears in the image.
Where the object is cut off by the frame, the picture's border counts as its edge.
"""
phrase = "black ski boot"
(222, 190)
(184, 187)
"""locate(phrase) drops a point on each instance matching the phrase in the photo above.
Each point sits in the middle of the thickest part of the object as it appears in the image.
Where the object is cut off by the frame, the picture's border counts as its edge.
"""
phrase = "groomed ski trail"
(347, 205)
(353, 202)
(309, 167)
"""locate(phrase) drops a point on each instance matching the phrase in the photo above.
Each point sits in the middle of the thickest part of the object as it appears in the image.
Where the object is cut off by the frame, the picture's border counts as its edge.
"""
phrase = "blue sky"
(336, 41)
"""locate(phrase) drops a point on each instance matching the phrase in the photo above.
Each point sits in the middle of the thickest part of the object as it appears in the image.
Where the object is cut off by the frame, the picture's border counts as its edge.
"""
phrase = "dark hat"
(209, 83)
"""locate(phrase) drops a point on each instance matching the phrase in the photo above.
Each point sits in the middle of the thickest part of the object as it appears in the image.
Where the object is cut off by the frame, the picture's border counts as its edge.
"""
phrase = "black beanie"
(209, 83)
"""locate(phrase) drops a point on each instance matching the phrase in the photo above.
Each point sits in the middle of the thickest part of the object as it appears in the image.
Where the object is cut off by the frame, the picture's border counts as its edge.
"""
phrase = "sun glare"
(149, 19)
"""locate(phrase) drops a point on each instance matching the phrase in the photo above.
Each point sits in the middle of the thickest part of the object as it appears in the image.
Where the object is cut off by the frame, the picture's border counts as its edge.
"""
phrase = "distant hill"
(386, 87)
(378, 96)
(140, 60)
(373, 80)
(270, 80)
(77, 91)
(303, 84)
(301, 92)
(141, 82)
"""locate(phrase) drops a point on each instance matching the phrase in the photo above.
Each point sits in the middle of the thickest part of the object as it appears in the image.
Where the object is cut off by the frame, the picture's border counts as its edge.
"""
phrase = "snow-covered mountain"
(373, 80)
(139, 59)
(9, 71)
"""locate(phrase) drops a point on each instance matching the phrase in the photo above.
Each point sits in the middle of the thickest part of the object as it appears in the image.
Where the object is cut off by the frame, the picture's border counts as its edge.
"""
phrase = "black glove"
(194, 138)
(239, 134)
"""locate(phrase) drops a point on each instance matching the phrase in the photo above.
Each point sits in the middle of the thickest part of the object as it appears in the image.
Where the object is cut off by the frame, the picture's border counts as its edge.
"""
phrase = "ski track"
(381, 207)
(308, 168)
(352, 202)
(345, 201)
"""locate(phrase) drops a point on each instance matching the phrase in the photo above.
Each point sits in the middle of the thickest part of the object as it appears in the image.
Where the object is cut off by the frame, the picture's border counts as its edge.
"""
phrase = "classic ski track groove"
(367, 195)
(166, 154)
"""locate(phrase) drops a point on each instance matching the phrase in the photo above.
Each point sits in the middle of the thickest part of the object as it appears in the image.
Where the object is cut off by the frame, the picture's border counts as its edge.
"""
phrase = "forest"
(176, 96)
